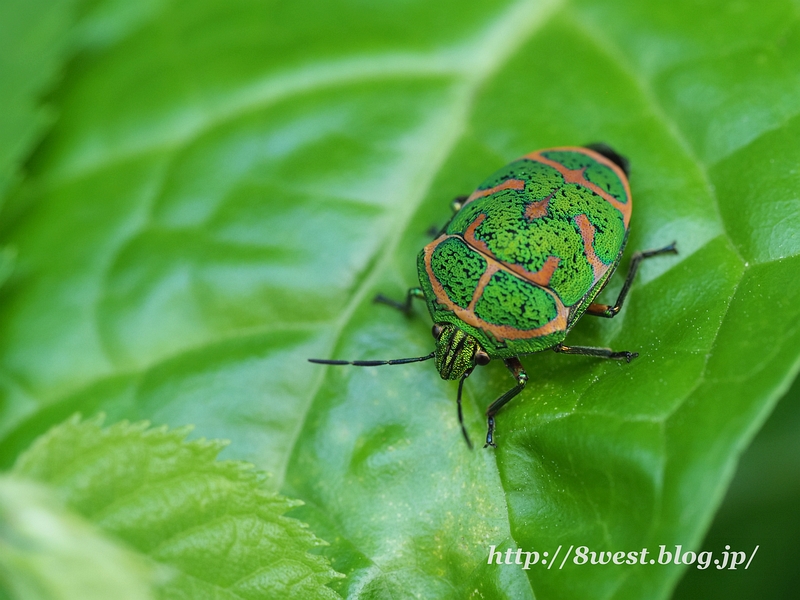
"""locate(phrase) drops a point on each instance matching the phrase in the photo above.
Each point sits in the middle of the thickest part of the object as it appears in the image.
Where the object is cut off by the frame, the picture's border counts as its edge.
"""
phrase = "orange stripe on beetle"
(587, 233)
(538, 209)
(576, 176)
(541, 277)
(500, 332)
(509, 184)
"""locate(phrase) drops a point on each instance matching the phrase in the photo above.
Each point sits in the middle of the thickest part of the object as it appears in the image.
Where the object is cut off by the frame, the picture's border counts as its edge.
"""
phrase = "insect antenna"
(460, 412)
(372, 363)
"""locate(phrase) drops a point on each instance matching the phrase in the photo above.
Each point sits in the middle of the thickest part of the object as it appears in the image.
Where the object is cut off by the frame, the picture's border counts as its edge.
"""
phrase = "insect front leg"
(404, 307)
(601, 352)
(521, 376)
(605, 310)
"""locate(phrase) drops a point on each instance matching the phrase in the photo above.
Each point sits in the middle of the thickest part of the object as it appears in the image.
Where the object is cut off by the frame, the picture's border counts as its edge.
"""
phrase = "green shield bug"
(520, 261)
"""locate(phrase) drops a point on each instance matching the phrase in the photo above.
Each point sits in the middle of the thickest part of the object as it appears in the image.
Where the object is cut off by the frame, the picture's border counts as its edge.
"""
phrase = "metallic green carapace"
(528, 251)
(521, 261)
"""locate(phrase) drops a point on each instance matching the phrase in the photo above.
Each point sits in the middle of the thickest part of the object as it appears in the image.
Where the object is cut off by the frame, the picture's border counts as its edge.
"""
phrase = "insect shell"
(520, 261)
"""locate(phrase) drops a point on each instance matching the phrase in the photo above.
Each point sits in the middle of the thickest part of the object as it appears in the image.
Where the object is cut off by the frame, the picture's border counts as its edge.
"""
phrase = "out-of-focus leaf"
(230, 185)
(48, 553)
(34, 37)
(208, 521)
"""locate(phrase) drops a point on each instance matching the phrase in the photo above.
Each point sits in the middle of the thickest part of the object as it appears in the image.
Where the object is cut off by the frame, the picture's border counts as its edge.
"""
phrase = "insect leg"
(605, 310)
(434, 231)
(521, 376)
(601, 352)
(404, 307)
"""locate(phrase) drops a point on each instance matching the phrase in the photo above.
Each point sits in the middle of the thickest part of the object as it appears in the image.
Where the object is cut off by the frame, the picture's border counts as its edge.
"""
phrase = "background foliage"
(222, 187)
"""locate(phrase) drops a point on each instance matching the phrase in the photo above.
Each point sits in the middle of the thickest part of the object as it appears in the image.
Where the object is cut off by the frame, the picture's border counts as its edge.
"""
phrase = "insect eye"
(436, 331)
(481, 358)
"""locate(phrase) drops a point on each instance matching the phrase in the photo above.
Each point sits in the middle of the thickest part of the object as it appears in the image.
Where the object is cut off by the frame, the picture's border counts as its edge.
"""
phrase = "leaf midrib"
(513, 32)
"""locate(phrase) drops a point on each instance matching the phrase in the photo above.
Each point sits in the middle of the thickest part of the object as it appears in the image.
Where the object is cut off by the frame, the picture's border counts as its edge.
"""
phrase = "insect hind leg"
(608, 311)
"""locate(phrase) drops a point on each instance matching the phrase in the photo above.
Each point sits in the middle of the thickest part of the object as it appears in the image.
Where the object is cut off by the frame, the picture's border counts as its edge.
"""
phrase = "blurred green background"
(199, 196)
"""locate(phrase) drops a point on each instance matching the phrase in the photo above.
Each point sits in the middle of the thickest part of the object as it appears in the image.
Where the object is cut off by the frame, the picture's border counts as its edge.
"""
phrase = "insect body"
(521, 260)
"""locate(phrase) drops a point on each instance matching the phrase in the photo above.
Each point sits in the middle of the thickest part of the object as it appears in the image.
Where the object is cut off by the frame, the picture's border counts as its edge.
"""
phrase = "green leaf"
(209, 521)
(47, 553)
(760, 510)
(34, 38)
(230, 185)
